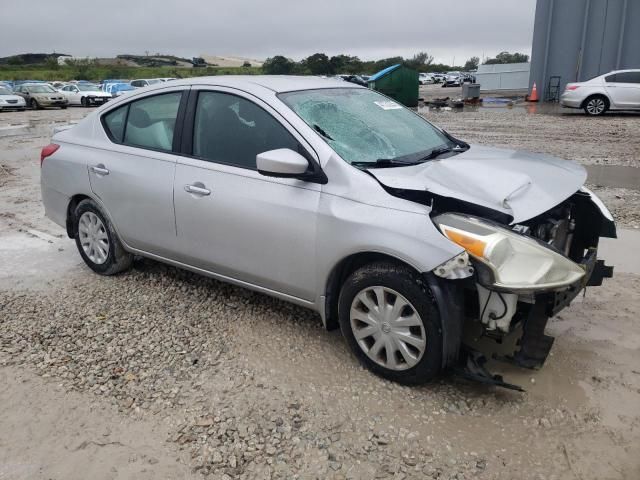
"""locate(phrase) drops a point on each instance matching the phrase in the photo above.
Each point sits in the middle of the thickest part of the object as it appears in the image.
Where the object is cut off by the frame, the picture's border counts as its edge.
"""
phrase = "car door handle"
(197, 190)
(100, 170)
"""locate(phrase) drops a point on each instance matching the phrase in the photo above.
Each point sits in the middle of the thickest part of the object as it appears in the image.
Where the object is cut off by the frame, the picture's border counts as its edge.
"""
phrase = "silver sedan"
(337, 198)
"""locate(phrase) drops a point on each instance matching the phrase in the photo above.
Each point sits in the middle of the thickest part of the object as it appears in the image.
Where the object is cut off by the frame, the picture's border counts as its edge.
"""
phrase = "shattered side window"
(362, 125)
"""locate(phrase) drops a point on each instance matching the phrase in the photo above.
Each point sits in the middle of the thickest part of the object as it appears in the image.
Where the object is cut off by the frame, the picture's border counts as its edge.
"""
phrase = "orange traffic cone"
(534, 94)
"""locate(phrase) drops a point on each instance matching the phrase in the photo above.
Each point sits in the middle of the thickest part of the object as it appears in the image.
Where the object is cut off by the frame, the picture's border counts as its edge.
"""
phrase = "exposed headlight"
(516, 262)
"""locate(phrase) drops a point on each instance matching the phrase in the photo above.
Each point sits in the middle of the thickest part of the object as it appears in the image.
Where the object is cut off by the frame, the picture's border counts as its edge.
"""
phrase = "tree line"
(322, 64)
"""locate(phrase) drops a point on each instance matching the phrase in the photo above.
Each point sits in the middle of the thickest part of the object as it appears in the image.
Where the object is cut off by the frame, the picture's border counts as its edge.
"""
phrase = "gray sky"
(262, 28)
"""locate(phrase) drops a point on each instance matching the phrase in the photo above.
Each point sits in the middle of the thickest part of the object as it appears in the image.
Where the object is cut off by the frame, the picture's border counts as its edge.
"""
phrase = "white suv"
(617, 90)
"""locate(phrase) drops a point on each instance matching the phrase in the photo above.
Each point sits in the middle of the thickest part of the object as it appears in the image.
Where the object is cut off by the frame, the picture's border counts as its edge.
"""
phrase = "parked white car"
(84, 94)
(617, 90)
(9, 101)
(425, 79)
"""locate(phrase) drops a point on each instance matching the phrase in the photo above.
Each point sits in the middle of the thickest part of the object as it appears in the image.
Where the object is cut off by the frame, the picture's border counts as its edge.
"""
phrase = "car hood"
(520, 184)
(11, 97)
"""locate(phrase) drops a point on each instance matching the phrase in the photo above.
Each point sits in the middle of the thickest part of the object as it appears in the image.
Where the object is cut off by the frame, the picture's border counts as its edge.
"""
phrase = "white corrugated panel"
(509, 76)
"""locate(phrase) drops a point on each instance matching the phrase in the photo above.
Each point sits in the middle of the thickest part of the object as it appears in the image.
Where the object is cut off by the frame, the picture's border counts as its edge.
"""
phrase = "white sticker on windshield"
(388, 105)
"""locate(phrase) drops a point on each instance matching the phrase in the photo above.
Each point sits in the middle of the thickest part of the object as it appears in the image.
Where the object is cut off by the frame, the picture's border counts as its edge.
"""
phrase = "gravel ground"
(218, 382)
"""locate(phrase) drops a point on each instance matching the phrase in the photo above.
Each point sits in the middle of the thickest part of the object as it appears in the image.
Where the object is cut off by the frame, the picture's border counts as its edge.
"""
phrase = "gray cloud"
(258, 29)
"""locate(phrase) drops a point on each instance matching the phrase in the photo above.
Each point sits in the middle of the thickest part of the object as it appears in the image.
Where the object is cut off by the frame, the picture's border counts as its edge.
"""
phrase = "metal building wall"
(581, 39)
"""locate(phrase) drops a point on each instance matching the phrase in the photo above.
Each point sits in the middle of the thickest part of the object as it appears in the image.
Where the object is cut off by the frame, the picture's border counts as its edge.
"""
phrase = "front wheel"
(84, 101)
(391, 322)
(596, 105)
(34, 104)
(97, 241)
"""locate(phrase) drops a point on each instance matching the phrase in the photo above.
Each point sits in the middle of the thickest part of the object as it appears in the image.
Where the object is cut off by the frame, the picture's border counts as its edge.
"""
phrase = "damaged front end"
(514, 277)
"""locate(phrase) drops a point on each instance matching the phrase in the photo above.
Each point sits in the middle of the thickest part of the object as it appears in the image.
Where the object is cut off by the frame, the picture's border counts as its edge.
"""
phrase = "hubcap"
(93, 238)
(595, 106)
(387, 328)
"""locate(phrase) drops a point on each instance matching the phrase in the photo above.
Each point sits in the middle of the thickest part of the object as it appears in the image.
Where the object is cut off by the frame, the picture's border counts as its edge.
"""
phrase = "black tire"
(596, 105)
(414, 289)
(84, 101)
(118, 259)
(33, 103)
(64, 107)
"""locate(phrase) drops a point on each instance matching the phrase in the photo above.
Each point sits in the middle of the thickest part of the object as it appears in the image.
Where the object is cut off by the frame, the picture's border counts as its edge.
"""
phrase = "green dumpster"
(397, 82)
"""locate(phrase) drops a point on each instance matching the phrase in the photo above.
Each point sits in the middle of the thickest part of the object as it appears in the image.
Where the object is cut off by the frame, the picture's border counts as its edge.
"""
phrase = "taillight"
(48, 151)
(572, 87)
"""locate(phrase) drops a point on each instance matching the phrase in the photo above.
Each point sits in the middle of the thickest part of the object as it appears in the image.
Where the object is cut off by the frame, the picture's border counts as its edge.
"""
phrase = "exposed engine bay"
(496, 317)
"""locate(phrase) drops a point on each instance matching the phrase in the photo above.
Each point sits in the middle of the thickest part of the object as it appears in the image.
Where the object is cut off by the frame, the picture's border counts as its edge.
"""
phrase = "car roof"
(621, 71)
(276, 83)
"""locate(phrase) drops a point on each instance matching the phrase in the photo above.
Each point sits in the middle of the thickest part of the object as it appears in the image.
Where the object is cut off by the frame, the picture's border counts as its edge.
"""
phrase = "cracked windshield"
(363, 126)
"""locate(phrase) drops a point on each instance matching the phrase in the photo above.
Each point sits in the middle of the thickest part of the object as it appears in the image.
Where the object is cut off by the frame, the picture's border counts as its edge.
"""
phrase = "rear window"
(114, 123)
(627, 77)
(147, 123)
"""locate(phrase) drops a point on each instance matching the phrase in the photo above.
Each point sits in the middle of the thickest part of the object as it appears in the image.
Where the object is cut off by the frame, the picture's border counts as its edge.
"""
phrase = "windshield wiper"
(384, 163)
(321, 131)
(436, 152)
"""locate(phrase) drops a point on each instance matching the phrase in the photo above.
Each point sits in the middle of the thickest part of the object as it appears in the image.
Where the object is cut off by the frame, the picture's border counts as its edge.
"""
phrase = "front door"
(231, 219)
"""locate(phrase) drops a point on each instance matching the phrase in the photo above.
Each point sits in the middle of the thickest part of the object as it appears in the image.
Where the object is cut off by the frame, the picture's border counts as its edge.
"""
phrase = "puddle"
(617, 176)
(34, 259)
(468, 107)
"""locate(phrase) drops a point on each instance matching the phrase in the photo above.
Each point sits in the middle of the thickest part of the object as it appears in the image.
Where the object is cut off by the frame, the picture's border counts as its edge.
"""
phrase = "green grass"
(64, 73)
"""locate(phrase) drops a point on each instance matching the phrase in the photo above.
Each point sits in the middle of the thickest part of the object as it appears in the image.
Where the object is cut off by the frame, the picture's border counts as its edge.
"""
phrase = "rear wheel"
(391, 322)
(97, 241)
(596, 105)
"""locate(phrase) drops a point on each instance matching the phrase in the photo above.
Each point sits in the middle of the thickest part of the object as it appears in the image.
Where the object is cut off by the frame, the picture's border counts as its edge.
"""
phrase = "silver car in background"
(336, 198)
(41, 95)
(10, 101)
(617, 90)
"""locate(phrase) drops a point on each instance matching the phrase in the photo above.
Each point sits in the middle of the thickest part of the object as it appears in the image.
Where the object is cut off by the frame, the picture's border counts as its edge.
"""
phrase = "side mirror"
(285, 163)
(282, 162)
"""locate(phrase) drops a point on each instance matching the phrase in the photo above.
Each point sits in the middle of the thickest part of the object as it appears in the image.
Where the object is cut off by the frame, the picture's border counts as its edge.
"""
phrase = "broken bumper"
(596, 272)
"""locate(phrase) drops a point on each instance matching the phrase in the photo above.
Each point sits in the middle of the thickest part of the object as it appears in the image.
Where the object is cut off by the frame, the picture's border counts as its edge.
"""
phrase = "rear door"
(133, 177)
(231, 219)
(624, 89)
